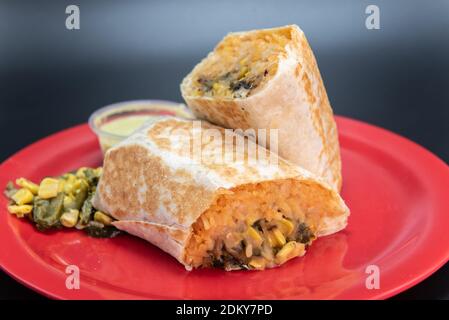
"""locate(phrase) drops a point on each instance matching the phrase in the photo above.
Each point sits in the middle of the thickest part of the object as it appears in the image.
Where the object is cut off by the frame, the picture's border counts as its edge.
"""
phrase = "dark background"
(52, 78)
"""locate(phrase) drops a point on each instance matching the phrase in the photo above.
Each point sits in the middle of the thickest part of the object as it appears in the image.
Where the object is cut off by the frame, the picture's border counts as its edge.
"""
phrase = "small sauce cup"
(114, 123)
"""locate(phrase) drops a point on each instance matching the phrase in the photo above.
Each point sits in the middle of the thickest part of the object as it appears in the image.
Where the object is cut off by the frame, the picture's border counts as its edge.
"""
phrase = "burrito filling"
(240, 64)
(253, 226)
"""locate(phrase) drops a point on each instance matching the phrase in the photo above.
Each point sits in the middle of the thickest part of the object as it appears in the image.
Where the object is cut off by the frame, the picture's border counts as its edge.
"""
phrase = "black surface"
(52, 78)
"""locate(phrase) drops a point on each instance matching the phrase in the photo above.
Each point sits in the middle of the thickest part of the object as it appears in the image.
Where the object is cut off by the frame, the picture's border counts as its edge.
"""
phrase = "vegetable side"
(61, 202)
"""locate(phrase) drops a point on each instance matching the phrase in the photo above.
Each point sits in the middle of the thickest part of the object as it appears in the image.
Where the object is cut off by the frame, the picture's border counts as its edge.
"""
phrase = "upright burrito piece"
(204, 196)
(269, 79)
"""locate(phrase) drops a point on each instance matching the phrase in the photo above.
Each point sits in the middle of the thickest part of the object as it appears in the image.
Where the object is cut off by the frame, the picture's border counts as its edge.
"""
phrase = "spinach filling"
(237, 257)
(237, 83)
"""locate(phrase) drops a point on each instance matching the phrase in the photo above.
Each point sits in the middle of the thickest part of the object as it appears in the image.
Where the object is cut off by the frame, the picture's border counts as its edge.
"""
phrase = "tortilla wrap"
(240, 212)
(265, 79)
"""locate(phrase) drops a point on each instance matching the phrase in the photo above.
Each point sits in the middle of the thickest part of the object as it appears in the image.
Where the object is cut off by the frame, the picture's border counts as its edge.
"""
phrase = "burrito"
(211, 197)
(269, 79)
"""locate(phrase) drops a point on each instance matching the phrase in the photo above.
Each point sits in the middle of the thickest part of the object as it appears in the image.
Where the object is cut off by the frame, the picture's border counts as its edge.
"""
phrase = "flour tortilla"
(294, 101)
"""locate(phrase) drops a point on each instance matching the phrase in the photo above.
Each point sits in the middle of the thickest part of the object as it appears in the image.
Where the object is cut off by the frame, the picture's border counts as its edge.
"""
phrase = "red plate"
(396, 190)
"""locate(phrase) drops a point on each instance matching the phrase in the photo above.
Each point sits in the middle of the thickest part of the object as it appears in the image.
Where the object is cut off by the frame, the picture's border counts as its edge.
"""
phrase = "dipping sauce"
(118, 121)
(125, 126)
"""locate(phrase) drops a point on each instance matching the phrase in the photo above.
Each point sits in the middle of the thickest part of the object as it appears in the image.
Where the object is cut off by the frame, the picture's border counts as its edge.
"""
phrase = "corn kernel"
(288, 251)
(70, 177)
(98, 171)
(78, 184)
(23, 196)
(217, 86)
(70, 218)
(20, 211)
(257, 263)
(68, 201)
(68, 187)
(286, 226)
(24, 183)
(243, 72)
(255, 236)
(243, 61)
(61, 185)
(48, 188)
(278, 237)
(80, 172)
(102, 218)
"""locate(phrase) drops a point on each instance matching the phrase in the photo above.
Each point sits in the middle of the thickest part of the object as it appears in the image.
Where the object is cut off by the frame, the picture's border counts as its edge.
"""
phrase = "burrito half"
(270, 79)
(226, 207)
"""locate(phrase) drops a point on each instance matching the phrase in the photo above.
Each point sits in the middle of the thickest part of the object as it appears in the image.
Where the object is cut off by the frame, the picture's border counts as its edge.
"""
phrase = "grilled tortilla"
(270, 79)
(249, 210)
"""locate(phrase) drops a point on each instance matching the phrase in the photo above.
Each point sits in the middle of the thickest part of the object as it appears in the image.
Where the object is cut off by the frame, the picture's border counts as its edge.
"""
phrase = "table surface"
(52, 78)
